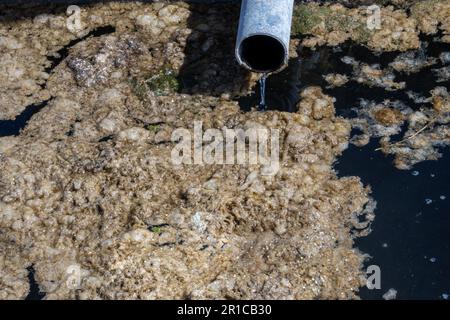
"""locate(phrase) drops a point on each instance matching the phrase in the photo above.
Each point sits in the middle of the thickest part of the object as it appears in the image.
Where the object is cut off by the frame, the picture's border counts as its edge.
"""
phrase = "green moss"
(307, 17)
(423, 6)
(157, 230)
(139, 89)
(163, 83)
(153, 128)
(362, 34)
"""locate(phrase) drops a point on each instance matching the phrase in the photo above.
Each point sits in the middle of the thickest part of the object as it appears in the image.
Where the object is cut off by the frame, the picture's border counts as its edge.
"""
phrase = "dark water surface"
(410, 239)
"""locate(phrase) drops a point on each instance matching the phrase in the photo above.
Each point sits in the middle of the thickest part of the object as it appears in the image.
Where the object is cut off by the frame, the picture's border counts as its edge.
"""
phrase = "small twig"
(411, 136)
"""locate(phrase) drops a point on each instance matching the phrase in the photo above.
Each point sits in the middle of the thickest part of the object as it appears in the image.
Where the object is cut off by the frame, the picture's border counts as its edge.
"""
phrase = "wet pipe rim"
(279, 65)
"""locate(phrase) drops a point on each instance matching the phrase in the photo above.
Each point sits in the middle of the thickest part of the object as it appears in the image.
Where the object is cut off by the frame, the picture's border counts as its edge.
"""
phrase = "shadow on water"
(209, 66)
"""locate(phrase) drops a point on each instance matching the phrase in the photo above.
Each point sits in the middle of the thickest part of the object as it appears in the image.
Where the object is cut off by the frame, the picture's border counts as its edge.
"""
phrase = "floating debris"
(373, 75)
(378, 120)
(391, 294)
(445, 57)
(428, 130)
(442, 74)
(349, 60)
(336, 80)
(412, 61)
(417, 98)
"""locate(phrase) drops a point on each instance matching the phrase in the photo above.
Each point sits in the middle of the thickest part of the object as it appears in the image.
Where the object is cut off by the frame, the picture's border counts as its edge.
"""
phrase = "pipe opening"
(263, 53)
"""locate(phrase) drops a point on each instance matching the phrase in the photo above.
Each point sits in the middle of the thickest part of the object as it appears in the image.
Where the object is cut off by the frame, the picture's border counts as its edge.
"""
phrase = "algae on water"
(81, 202)
(311, 18)
(164, 83)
